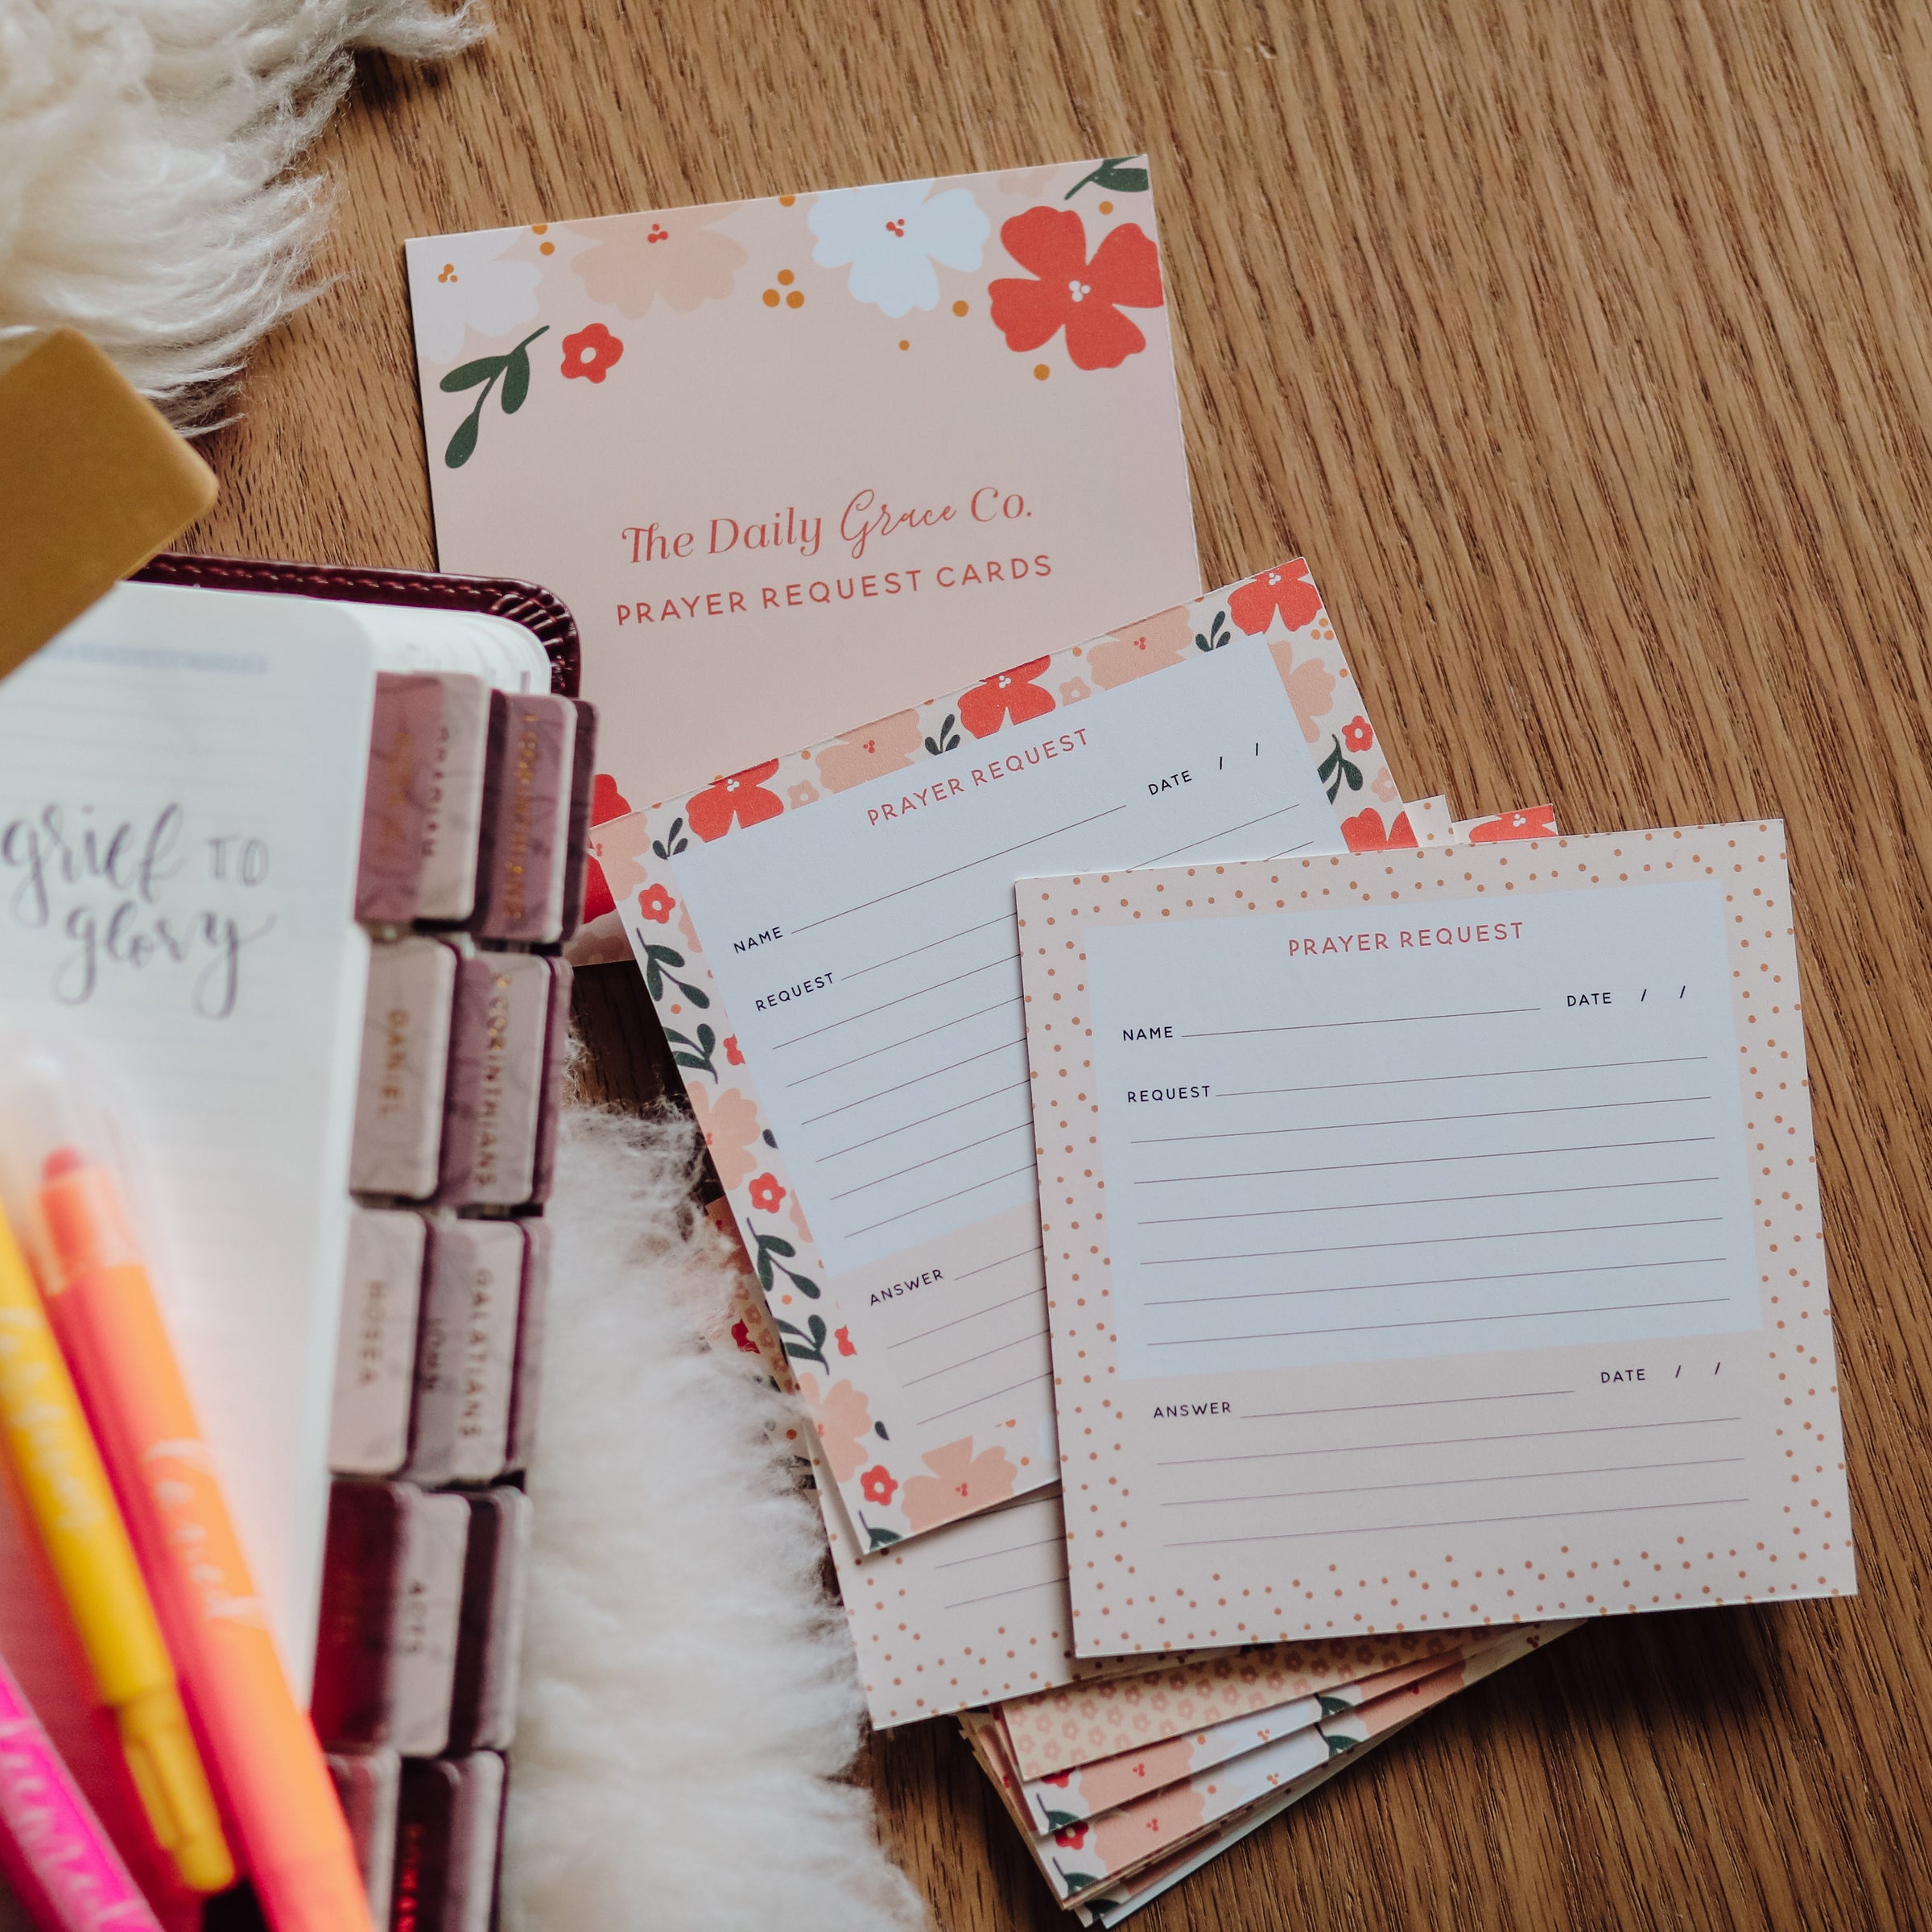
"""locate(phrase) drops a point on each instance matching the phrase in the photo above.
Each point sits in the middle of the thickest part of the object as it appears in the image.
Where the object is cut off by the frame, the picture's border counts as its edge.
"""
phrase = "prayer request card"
(1432, 1237)
(829, 940)
(791, 462)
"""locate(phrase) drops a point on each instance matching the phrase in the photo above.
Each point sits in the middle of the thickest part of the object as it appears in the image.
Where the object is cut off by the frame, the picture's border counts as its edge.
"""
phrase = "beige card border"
(1751, 860)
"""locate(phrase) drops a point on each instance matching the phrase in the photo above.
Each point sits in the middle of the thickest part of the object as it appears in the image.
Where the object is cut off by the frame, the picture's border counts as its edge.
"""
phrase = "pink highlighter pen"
(52, 1849)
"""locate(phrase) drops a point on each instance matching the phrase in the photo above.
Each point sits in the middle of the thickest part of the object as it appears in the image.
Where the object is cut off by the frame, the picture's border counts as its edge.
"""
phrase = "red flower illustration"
(1357, 734)
(843, 1336)
(733, 1054)
(1012, 697)
(877, 1484)
(1073, 293)
(1364, 832)
(741, 798)
(1287, 590)
(655, 904)
(606, 802)
(1539, 822)
(591, 352)
(742, 1335)
(1071, 1836)
(767, 1195)
(1061, 1778)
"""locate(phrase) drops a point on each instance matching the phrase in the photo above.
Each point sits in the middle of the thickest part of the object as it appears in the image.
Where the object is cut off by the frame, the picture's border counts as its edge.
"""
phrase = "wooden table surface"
(1587, 351)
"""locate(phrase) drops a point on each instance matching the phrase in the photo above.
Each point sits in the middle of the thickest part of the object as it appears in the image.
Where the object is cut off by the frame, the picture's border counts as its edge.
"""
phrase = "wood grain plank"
(1586, 348)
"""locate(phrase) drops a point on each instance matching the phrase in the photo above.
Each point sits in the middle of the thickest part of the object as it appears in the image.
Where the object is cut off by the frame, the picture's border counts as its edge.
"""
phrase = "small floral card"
(1433, 1238)
(828, 938)
(796, 461)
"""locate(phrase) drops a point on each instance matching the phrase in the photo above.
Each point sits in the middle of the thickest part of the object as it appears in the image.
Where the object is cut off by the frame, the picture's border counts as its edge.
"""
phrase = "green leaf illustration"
(773, 1252)
(696, 1054)
(463, 444)
(516, 380)
(946, 740)
(882, 1539)
(878, 1429)
(805, 1344)
(1338, 1745)
(1057, 1820)
(471, 374)
(1214, 638)
(673, 843)
(513, 368)
(1112, 176)
(656, 960)
(1078, 1881)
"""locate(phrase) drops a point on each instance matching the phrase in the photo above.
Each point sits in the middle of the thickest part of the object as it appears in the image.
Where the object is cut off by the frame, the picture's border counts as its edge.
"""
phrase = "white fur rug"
(690, 1697)
(144, 151)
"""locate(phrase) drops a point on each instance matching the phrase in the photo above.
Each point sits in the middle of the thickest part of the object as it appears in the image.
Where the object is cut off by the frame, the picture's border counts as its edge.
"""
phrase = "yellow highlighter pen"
(80, 1527)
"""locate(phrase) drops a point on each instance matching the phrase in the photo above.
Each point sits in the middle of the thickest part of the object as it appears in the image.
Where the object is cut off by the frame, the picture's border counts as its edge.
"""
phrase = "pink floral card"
(1432, 1238)
(828, 939)
(796, 461)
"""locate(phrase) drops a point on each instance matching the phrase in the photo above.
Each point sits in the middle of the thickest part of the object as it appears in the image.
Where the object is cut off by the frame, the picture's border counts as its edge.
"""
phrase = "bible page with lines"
(829, 941)
(1432, 1238)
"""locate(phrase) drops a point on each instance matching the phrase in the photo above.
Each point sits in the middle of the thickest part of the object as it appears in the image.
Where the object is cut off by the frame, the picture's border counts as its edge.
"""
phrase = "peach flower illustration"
(802, 793)
(1028, 183)
(889, 745)
(844, 1420)
(1310, 685)
(1127, 654)
(1124, 1836)
(729, 1124)
(1074, 690)
(961, 1483)
(1383, 785)
(680, 261)
(1117, 1780)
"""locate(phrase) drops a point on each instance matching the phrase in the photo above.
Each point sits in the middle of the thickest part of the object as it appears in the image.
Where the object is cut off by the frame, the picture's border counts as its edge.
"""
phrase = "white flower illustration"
(460, 282)
(890, 236)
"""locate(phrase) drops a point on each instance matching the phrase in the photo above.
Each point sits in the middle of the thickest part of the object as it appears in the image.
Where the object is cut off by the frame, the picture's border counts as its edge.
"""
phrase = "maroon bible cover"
(540, 612)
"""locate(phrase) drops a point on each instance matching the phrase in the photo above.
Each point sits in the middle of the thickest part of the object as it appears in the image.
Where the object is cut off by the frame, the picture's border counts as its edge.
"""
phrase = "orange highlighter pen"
(258, 1742)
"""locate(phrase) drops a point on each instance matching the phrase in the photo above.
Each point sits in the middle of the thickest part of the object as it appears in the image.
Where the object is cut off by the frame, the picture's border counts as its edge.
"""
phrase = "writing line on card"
(1442, 1199)
(866, 1100)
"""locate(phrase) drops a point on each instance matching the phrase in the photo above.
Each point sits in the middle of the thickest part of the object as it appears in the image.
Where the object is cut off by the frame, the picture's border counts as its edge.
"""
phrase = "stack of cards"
(1255, 1255)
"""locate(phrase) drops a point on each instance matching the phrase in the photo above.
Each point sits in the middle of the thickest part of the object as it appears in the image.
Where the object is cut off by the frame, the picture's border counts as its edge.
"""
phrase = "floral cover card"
(829, 941)
(796, 461)
(1440, 1243)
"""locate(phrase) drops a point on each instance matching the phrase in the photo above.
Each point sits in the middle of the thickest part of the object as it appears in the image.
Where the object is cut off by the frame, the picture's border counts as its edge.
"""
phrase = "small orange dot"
(785, 278)
(546, 248)
(771, 298)
(539, 228)
(1106, 208)
(787, 200)
(959, 308)
(903, 344)
(1041, 372)
(796, 300)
